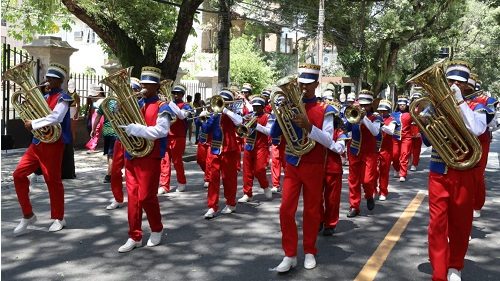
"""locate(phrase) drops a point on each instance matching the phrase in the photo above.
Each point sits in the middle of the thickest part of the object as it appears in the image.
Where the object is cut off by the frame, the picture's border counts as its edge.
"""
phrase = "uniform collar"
(151, 99)
(311, 100)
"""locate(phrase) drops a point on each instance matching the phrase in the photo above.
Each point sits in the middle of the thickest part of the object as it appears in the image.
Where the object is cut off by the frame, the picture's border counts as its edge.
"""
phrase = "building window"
(4, 22)
(78, 35)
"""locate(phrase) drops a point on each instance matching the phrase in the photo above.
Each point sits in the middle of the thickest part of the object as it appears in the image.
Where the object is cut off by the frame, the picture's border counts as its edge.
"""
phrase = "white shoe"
(477, 214)
(454, 275)
(210, 213)
(402, 179)
(268, 193)
(382, 198)
(57, 225)
(395, 174)
(154, 239)
(245, 199)
(275, 189)
(181, 187)
(413, 168)
(161, 190)
(287, 264)
(205, 185)
(309, 261)
(22, 227)
(228, 209)
(114, 205)
(130, 245)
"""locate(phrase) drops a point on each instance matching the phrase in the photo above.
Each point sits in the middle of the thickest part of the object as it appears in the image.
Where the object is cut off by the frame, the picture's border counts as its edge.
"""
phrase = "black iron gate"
(12, 56)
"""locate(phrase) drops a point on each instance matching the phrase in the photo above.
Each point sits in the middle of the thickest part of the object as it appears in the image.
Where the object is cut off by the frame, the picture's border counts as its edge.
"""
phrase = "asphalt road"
(245, 245)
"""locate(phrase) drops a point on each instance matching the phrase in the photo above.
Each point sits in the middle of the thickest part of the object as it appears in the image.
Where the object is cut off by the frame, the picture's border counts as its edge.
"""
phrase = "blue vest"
(67, 136)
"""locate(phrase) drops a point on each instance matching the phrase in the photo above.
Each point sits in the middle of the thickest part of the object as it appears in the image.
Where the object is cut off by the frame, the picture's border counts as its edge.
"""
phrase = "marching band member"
(333, 176)
(451, 192)
(416, 139)
(223, 157)
(202, 155)
(362, 155)
(402, 140)
(266, 94)
(278, 160)
(385, 153)
(305, 173)
(119, 161)
(176, 143)
(256, 154)
(47, 156)
(489, 104)
(142, 174)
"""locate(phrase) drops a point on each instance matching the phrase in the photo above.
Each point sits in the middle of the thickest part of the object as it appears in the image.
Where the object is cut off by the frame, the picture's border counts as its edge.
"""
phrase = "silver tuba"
(286, 102)
(29, 102)
(123, 109)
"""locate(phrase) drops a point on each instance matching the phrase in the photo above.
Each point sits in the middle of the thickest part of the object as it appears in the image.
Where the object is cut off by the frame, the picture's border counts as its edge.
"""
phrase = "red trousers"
(224, 163)
(278, 161)
(450, 223)
(401, 155)
(116, 171)
(479, 183)
(416, 147)
(175, 150)
(307, 177)
(48, 157)
(254, 165)
(362, 171)
(384, 167)
(203, 159)
(142, 177)
(331, 195)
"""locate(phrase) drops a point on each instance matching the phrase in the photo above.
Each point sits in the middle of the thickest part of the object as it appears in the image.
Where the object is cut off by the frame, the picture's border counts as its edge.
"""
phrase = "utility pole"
(223, 41)
(321, 22)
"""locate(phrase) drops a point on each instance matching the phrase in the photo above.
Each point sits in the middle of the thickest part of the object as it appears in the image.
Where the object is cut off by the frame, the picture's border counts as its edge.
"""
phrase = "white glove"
(458, 93)
(130, 129)
(204, 113)
(186, 113)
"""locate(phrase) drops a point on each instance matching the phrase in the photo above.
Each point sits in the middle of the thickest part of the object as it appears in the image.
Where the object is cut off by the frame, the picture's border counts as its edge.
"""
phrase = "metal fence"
(11, 56)
(195, 86)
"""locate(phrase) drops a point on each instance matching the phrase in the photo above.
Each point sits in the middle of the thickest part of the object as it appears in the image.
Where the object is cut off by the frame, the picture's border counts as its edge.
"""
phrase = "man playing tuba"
(451, 190)
(47, 156)
(305, 172)
(143, 173)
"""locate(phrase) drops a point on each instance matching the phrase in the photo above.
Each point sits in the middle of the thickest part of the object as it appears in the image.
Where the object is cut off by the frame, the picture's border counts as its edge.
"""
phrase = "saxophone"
(439, 119)
(286, 102)
(29, 102)
(123, 109)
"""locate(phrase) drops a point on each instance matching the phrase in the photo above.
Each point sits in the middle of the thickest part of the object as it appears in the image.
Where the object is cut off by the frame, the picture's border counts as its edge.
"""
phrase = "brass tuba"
(354, 114)
(29, 102)
(123, 109)
(439, 119)
(285, 110)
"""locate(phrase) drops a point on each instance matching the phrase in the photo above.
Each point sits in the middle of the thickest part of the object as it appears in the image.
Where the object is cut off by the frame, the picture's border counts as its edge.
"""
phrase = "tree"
(134, 31)
(248, 65)
(370, 34)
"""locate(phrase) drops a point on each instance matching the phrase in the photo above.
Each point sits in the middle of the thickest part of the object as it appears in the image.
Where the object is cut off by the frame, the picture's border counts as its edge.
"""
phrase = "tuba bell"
(166, 90)
(286, 102)
(440, 120)
(29, 102)
(123, 109)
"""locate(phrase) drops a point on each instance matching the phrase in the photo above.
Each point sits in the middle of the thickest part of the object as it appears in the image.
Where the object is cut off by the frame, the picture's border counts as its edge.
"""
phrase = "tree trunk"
(223, 41)
(383, 64)
(172, 60)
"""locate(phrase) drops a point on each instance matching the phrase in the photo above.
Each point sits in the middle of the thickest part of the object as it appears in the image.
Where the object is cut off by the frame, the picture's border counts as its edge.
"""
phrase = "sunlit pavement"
(245, 245)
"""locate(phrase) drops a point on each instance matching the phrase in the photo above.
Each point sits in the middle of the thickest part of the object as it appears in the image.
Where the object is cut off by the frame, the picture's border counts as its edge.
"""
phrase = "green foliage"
(248, 65)
(35, 17)
(282, 64)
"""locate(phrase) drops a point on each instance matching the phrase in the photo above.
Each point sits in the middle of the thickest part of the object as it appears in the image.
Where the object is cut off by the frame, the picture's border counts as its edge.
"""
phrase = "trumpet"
(247, 128)
(354, 114)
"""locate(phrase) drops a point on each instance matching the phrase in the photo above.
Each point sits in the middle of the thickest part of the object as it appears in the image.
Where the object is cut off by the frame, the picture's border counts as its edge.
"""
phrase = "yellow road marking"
(373, 265)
